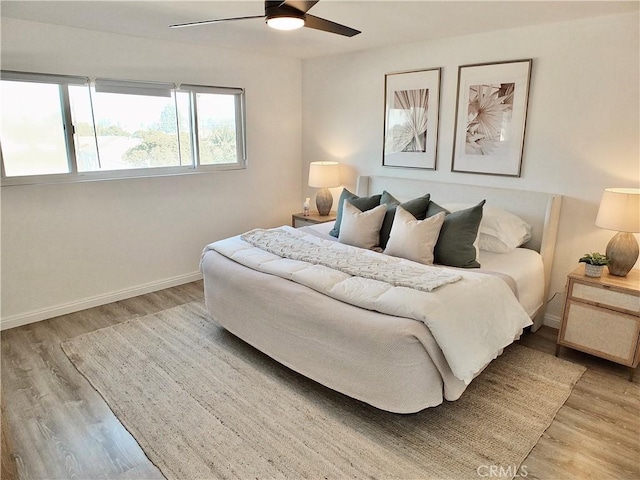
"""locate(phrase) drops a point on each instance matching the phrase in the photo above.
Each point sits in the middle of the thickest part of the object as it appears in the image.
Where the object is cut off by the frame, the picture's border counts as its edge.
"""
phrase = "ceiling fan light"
(285, 23)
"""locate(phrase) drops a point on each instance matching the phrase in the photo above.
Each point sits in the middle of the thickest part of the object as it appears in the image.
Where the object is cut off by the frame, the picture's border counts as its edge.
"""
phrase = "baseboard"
(64, 309)
(552, 321)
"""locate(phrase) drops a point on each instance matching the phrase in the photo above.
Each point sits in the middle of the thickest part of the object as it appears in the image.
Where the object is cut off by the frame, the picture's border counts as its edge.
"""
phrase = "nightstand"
(299, 220)
(602, 317)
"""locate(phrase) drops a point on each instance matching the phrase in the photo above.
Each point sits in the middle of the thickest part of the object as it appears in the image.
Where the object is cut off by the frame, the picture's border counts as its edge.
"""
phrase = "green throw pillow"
(458, 233)
(434, 208)
(416, 207)
(362, 203)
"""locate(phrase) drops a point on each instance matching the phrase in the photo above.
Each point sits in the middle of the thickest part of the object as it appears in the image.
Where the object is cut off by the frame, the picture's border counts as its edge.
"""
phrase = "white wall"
(66, 247)
(582, 127)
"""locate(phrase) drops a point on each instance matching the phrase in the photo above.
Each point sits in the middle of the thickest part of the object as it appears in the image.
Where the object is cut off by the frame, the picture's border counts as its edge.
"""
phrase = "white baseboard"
(552, 321)
(64, 309)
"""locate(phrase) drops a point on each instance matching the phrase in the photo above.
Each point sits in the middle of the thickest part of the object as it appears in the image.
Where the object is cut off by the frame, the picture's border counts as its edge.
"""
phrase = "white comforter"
(472, 319)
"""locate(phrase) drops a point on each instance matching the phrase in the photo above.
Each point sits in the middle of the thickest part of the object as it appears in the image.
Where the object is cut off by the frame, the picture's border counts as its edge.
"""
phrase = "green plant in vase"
(594, 263)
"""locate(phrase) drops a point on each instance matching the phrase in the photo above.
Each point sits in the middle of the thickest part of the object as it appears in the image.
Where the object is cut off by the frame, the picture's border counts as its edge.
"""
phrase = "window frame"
(138, 88)
(239, 100)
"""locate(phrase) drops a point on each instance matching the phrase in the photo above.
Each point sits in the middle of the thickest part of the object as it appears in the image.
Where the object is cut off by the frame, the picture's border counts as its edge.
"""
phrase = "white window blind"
(129, 87)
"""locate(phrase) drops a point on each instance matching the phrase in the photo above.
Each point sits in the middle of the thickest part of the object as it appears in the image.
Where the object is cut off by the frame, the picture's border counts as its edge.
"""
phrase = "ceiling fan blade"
(303, 5)
(208, 22)
(318, 23)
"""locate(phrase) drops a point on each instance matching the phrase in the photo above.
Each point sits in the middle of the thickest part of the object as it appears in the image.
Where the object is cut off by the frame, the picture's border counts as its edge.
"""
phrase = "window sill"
(116, 175)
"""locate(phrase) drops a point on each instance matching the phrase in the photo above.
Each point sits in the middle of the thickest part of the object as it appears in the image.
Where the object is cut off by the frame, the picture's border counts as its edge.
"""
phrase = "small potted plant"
(594, 264)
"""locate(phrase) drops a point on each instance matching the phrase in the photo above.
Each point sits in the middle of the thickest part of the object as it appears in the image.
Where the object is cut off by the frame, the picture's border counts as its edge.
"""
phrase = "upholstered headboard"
(540, 210)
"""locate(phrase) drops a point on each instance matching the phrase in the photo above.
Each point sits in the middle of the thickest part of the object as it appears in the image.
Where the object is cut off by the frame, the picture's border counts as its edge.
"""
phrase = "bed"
(388, 356)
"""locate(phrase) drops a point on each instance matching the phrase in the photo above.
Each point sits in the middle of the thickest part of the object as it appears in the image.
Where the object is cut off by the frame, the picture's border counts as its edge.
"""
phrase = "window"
(59, 128)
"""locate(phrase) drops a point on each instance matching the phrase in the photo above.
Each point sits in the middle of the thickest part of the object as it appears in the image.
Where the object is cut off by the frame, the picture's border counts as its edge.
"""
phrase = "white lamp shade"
(620, 210)
(324, 174)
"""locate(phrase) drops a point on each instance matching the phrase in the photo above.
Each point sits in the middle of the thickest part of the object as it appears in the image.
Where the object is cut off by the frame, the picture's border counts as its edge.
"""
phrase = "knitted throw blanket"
(352, 261)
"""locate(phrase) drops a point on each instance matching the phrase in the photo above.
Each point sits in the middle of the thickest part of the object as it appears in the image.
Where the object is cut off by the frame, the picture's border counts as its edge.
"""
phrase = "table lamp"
(620, 210)
(324, 175)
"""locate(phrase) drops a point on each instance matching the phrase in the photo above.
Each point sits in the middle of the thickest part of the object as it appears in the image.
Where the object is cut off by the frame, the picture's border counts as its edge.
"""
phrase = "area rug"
(203, 404)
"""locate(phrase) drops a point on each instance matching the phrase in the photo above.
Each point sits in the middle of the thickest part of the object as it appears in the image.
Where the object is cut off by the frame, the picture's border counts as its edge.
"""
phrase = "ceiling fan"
(287, 15)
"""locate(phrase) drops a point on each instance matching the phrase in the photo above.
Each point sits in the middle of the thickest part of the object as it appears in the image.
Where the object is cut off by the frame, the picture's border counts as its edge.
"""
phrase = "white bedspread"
(472, 319)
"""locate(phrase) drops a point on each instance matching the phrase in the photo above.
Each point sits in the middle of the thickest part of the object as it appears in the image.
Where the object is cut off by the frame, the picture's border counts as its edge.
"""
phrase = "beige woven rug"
(203, 404)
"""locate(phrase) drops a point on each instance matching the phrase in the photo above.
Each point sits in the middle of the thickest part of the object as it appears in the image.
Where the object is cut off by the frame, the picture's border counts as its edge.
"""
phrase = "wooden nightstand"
(299, 220)
(602, 317)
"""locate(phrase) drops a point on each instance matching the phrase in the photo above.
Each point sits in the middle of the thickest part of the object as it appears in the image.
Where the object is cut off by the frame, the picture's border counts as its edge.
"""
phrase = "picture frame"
(491, 114)
(412, 114)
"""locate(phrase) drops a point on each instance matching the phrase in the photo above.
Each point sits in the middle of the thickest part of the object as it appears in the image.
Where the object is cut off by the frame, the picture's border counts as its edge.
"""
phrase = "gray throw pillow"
(434, 208)
(362, 203)
(455, 246)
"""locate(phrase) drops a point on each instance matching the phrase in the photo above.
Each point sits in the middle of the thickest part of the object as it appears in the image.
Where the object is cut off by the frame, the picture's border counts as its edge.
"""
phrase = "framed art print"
(411, 119)
(491, 113)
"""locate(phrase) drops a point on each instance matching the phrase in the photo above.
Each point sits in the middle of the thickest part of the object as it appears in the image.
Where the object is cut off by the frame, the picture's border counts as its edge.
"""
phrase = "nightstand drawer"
(601, 332)
(297, 223)
(605, 296)
(314, 218)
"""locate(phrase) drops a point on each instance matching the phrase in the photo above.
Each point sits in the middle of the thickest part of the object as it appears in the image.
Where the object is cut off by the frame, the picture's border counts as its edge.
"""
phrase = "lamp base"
(324, 201)
(622, 252)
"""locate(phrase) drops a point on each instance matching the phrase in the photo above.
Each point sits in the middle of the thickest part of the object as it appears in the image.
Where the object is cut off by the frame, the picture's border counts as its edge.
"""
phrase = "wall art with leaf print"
(491, 113)
(411, 119)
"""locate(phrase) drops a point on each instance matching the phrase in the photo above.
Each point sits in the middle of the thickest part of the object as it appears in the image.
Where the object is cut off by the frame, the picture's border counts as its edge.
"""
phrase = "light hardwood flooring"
(55, 425)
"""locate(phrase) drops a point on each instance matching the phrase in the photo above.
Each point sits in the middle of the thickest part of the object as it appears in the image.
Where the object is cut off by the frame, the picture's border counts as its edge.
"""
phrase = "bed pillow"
(362, 203)
(489, 243)
(455, 246)
(500, 231)
(361, 229)
(416, 207)
(414, 239)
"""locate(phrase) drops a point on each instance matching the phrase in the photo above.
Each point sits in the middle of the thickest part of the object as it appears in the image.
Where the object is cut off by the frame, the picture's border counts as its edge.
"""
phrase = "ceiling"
(383, 23)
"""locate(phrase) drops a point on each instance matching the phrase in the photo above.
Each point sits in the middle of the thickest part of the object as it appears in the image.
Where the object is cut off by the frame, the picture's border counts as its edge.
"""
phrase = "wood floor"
(54, 425)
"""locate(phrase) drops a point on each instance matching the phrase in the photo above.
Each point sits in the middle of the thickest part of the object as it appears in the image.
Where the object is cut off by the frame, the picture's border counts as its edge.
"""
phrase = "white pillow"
(489, 243)
(361, 229)
(500, 231)
(414, 239)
